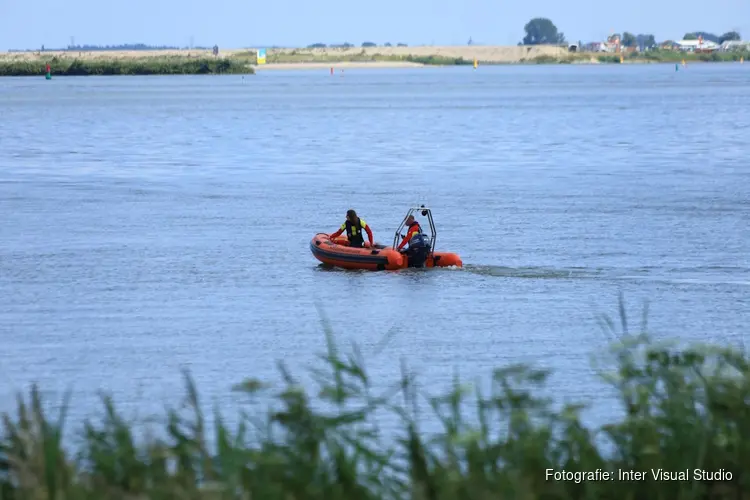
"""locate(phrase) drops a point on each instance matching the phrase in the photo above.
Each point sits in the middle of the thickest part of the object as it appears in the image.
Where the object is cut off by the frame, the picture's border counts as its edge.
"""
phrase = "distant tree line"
(125, 46)
(539, 31)
(542, 31)
(641, 41)
(729, 36)
(350, 45)
(129, 46)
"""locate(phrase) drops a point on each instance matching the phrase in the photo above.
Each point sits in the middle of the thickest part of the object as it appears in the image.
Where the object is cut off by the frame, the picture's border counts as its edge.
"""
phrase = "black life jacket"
(354, 232)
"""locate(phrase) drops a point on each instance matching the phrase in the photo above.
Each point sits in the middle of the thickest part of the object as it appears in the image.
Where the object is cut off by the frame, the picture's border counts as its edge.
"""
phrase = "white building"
(598, 47)
(697, 45)
(734, 45)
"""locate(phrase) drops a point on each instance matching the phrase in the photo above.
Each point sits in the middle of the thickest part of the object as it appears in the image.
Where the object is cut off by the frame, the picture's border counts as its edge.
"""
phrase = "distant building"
(729, 46)
(614, 42)
(697, 45)
(612, 45)
(595, 47)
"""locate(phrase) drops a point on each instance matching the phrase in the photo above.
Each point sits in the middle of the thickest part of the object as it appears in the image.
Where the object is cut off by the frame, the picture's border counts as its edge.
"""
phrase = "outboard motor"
(419, 250)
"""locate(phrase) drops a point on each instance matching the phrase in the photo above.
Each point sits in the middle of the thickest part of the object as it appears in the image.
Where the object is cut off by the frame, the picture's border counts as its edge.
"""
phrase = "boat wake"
(709, 275)
(536, 272)
(702, 276)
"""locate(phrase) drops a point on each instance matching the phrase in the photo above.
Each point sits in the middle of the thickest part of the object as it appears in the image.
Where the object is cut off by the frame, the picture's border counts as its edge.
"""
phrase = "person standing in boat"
(414, 229)
(353, 227)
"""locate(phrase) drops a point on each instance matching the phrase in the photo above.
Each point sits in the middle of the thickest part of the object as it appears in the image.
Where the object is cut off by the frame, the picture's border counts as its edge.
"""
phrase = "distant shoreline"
(337, 65)
(243, 61)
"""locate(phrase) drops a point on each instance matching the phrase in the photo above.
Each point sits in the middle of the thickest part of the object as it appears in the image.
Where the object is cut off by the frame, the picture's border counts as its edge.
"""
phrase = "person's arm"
(407, 238)
(369, 232)
(403, 242)
(338, 233)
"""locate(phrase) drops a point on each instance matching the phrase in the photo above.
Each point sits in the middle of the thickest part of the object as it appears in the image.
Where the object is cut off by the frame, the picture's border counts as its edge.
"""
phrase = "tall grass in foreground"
(686, 409)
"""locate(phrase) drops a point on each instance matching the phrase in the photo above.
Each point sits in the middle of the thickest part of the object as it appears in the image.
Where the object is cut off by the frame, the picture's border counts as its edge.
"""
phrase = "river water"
(154, 223)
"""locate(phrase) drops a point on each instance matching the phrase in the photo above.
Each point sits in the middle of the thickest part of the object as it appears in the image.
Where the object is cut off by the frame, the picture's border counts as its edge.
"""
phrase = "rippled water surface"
(155, 223)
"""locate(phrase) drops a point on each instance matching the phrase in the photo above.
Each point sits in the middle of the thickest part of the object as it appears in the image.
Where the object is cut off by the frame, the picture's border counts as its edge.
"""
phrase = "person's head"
(351, 215)
(410, 220)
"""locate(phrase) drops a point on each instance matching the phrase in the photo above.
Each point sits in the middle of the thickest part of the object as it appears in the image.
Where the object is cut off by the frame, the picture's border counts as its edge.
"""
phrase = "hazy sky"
(235, 23)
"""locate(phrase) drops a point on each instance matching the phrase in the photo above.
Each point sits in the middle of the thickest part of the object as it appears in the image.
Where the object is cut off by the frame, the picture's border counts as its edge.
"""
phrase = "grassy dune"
(685, 410)
(425, 55)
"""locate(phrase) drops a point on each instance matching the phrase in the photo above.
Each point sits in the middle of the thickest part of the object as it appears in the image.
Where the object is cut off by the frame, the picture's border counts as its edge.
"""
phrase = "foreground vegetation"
(175, 65)
(685, 411)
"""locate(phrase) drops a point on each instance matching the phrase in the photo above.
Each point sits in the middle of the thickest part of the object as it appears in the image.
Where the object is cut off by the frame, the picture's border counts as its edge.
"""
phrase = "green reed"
(168, 65)
(685, 409)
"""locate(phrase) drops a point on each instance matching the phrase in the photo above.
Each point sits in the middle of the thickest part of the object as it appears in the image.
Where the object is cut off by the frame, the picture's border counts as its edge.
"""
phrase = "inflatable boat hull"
(338, 253)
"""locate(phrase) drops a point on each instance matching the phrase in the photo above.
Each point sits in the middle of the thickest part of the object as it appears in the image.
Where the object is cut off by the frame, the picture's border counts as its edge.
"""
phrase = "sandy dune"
(487, 53)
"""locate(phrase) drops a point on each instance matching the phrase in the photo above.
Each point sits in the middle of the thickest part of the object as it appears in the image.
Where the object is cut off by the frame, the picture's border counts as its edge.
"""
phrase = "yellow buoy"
(475, 63)
(742, 60)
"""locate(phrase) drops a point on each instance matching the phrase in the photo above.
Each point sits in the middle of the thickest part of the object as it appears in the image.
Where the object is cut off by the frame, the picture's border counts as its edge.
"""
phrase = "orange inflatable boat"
(337, 252)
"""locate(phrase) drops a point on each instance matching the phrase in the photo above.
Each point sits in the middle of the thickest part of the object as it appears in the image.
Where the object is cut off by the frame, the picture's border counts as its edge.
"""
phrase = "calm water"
(153, 223)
